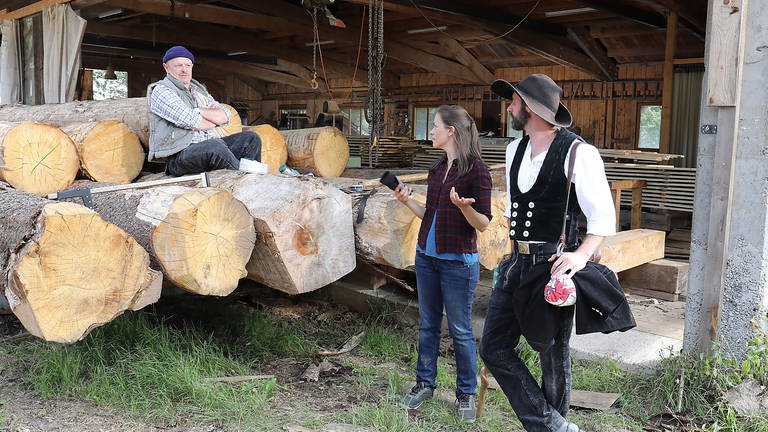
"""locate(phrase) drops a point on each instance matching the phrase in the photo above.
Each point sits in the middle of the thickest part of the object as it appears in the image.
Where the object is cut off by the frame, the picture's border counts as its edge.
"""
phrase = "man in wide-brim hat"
(537, 179)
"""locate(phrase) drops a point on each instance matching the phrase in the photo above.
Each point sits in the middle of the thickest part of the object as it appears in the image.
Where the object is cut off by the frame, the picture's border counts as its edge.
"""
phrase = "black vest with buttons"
(537, 215)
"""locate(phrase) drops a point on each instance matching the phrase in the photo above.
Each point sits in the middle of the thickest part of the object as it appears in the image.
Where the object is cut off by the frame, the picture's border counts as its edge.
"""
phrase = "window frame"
(638, 119)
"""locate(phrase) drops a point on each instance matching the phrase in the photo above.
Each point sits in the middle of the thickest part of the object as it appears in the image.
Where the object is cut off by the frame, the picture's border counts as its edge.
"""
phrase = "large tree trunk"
(304, 229)
(37, 158)
(389, 231)
(273, 149)
(109, 151)
(200, 238)
(322, 151)
(64, 270)
(131, 111)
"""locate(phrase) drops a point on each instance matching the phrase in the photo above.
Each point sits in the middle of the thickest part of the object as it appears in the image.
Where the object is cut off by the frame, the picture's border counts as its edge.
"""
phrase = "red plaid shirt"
(453, 234)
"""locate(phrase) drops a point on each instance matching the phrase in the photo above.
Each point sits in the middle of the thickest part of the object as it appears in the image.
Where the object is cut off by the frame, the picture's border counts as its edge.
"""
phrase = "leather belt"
(535, 248)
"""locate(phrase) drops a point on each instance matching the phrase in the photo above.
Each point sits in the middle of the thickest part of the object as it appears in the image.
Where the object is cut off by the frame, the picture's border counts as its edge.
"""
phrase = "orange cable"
(357, 60)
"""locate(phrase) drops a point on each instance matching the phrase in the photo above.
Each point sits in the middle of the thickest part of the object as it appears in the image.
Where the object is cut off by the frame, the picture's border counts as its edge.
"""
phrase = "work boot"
(419, 393)
(465, 407)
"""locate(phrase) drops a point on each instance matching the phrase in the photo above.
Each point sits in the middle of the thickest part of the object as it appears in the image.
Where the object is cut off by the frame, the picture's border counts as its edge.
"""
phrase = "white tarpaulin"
(10, 81)
(63, 32)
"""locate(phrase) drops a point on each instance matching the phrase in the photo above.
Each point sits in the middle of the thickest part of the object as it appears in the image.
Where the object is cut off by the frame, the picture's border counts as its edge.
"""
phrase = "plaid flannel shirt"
(453, 233)
(168, 105)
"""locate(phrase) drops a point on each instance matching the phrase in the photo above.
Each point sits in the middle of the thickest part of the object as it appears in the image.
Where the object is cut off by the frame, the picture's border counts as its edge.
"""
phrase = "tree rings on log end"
(331, 152)
(80, 273)
(205, 241)
(110, 152)
(37, 158)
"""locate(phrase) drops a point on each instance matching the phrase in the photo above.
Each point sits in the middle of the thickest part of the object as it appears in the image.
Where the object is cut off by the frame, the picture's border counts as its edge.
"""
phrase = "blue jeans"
(215, 153)
(450, 284)
(539, 408)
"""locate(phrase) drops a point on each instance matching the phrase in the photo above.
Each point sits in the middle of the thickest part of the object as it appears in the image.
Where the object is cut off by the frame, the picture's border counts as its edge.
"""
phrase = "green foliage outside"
(158, 368)
(650, 127)
(109, 89)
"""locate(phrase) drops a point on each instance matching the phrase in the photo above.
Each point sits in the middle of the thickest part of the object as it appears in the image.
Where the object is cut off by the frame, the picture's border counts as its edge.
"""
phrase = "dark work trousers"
(215, 153)
(539, 408)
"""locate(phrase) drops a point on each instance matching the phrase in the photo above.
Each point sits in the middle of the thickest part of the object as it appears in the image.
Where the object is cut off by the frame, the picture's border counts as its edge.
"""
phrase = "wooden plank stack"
(667, 187)
(393, 152)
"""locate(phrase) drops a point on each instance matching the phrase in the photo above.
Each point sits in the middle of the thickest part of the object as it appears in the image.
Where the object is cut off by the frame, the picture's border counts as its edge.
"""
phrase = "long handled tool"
(481, 391)
(86, 193)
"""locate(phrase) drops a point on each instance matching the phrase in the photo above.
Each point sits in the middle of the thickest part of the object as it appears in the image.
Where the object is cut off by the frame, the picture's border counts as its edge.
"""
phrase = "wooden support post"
(666, 95)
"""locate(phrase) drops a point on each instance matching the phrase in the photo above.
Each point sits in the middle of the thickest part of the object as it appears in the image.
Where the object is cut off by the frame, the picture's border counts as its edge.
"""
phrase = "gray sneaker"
(568, 427)
(465, 407)
(419, 393)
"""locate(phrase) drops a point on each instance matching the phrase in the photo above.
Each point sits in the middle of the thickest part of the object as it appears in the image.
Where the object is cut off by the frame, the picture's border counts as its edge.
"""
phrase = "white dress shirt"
(592, 190)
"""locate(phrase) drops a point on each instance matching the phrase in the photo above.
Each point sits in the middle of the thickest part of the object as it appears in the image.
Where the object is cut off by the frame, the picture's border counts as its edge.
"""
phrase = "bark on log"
(322, 151)
(389, 231)
(273, 149)
(131, 111)
(37, 158)
(200, 238)
(304, 229)
(64, 270)
(108, 150)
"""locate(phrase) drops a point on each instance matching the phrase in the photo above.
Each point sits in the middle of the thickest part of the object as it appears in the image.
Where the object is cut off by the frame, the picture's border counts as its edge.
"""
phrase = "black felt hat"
(541, 94)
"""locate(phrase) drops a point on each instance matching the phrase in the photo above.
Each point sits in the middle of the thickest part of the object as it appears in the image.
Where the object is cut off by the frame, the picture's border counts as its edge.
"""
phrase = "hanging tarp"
(10, 82)
(63, 32)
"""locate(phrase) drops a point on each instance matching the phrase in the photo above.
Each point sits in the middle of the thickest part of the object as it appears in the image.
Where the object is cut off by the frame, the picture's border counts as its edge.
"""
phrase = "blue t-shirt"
(431, 250)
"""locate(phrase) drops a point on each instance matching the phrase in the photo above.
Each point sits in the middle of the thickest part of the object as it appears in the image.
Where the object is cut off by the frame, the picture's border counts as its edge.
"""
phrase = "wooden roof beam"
(554, 49)
(467, 59)
(595, 51)
(629, 12)
(29, 9)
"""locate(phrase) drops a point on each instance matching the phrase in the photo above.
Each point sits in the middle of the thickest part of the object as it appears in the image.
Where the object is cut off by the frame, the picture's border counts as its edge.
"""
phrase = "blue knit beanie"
(177, 51)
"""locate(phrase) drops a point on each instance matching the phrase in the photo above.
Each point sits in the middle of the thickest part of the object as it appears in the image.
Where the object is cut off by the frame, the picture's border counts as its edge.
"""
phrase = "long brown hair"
(467, 138)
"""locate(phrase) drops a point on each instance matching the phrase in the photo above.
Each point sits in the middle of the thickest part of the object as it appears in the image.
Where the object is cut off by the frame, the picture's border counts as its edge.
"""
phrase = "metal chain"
(315, 41)
(375, 64)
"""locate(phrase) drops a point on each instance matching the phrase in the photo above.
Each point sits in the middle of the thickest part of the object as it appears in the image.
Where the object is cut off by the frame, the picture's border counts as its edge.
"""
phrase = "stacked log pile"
(64, 270)
(131, 111)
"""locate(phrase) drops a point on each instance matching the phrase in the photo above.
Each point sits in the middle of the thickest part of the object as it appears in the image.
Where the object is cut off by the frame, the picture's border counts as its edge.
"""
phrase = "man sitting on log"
(183, 120)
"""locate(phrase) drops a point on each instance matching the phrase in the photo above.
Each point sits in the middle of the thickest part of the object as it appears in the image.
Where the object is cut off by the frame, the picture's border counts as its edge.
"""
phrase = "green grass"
(156, 368)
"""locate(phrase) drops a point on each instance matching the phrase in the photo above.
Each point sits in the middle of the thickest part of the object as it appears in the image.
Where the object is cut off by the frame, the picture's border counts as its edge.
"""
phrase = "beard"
(519, 121)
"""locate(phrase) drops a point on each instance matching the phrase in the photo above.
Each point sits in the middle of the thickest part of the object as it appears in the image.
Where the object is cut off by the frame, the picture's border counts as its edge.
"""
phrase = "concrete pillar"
(728, 279)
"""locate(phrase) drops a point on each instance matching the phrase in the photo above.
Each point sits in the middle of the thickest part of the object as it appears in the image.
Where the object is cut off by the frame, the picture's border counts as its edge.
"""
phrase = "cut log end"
(273, 149)
(331, 153)
(80, 273)
(205, 242)
(109, 152)
(37, 158)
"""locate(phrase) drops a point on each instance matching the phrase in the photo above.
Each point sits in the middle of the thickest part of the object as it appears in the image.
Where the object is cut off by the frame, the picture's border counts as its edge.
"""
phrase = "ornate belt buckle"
(523, 248)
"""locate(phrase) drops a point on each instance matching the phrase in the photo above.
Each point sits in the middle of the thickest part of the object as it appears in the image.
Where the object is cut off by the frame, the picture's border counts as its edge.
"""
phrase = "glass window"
(31, 54)
(357, 125)
(650, 127)
(423, 119)
(113, 88)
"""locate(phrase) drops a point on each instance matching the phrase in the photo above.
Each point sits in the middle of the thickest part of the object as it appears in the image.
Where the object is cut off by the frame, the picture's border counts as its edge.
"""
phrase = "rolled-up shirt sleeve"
(167, 104)
(482, 185)
(592, 191)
